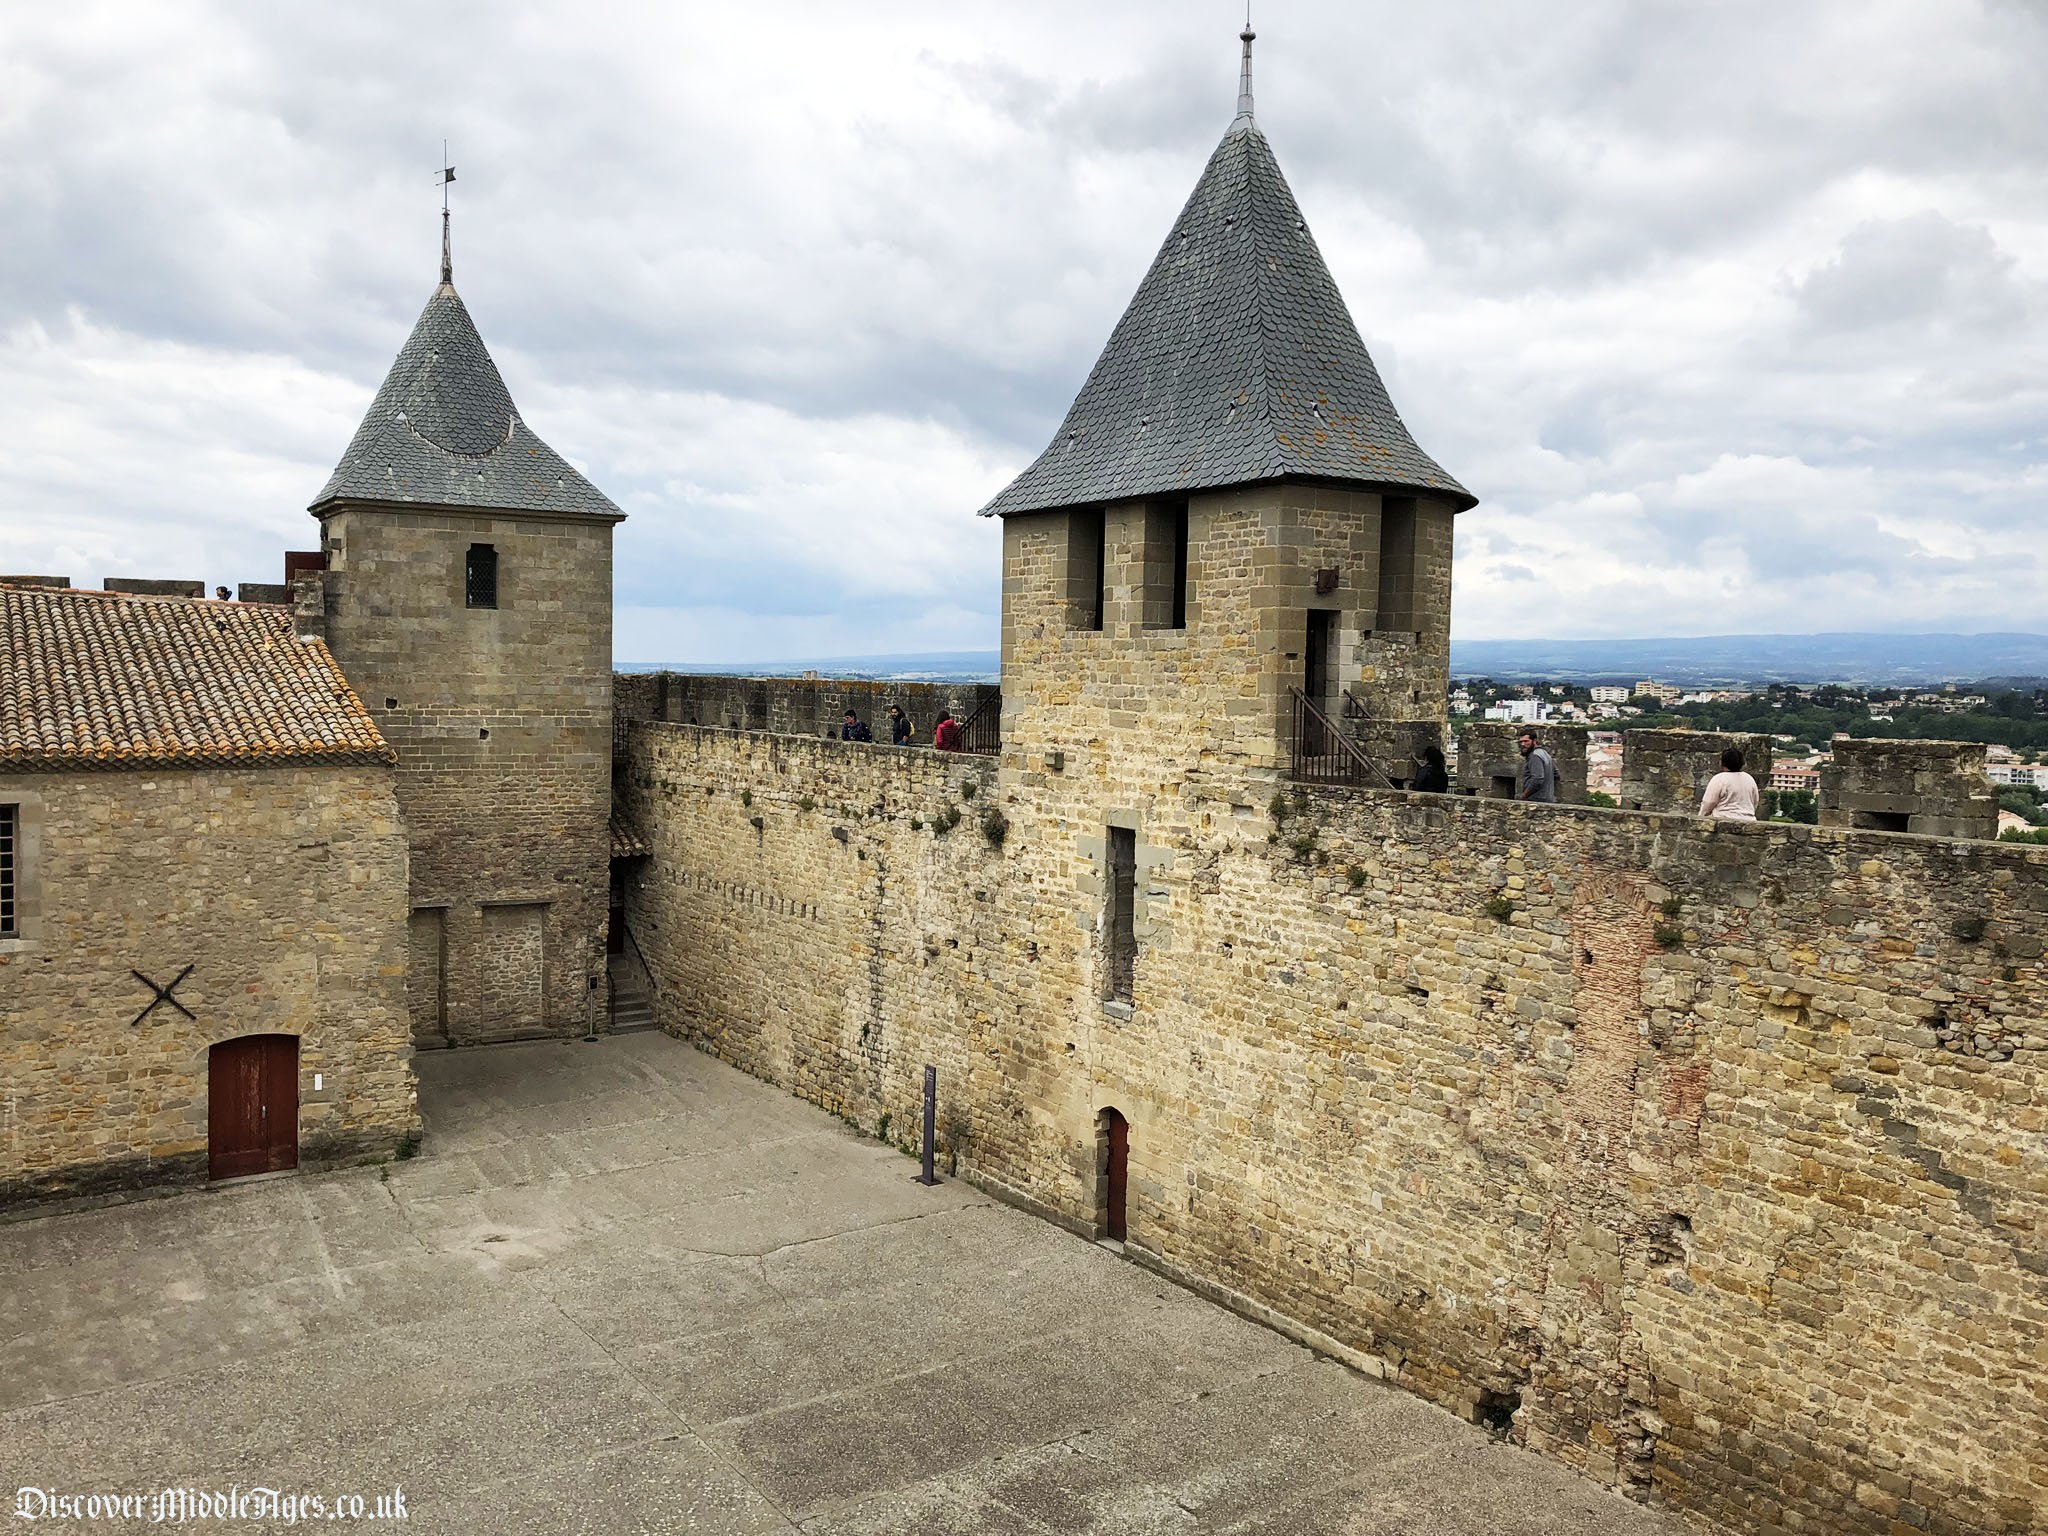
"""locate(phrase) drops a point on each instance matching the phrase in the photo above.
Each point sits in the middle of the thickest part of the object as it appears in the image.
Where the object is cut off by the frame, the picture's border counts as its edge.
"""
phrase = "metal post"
(931, 1120)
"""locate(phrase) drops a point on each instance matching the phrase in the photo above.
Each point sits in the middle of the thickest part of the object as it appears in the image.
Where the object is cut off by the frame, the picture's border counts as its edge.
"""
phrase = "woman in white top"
(1731, 795)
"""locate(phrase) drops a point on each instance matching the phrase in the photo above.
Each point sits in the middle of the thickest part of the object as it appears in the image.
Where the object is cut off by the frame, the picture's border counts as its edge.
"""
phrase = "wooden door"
(1115, 1173)
(252, 1106)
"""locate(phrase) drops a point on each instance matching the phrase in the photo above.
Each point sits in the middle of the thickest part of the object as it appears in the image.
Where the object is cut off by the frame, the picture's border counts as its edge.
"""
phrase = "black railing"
(1323, 752)
(982, 731)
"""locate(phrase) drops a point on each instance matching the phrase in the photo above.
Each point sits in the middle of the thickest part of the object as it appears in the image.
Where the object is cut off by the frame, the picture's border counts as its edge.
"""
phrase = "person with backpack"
(855, 729)
(900, 728)
(946, 734)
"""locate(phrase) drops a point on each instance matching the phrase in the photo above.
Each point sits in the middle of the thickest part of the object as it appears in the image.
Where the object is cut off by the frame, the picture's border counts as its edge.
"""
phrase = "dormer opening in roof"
(1305, 533)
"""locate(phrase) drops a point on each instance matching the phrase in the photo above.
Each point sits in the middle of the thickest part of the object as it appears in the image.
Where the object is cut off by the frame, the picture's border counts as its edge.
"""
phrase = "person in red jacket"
(946, 734)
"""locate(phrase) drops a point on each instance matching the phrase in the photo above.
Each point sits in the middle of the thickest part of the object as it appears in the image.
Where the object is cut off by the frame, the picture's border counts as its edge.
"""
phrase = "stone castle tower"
(1231, 511)
(468, 598)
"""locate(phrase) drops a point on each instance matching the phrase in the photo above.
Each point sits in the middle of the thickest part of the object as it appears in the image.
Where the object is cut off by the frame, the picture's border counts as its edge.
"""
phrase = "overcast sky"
(1734, 316)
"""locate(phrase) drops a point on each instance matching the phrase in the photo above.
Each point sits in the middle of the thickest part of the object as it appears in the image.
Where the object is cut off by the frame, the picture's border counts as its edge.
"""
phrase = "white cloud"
(1730, 315)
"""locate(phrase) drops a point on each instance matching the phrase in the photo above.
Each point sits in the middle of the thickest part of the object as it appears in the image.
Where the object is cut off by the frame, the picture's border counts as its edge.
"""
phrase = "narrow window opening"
(1180, 567)
(480, 577)
(1120, 942)
(1397, 564)
(1086, 568)
(10, 842)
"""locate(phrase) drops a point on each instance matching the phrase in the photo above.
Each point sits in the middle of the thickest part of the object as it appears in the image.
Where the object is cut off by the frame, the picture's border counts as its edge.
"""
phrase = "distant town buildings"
(1609, 695)
(1519, 711)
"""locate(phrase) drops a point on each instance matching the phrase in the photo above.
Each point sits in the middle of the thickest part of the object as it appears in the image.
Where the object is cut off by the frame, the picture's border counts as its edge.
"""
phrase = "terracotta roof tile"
(105, 680)
(627, 843)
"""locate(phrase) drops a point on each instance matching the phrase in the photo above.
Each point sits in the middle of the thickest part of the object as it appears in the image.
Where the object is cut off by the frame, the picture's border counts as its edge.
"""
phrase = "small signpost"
(931, 1120)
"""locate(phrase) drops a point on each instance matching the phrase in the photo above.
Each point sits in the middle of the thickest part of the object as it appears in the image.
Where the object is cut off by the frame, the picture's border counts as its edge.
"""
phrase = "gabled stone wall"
(282, 889)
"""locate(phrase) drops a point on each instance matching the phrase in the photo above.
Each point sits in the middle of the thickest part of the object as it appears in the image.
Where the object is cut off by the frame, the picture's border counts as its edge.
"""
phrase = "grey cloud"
(1919, 270)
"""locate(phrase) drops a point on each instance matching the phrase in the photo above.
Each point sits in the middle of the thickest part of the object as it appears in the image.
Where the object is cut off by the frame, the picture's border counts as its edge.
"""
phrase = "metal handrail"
(984, 739)
(1322, 752)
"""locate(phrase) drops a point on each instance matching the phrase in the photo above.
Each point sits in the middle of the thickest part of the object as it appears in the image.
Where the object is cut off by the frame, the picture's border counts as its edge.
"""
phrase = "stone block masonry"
(1938, 788)
(1490, 759)
(501, 717)
(1666, 1147)
(283, 889)
(1669, 770)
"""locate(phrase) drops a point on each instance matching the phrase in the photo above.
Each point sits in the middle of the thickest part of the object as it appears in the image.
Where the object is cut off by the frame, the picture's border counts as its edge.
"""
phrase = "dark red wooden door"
(252, 1106)
(1116, 1176)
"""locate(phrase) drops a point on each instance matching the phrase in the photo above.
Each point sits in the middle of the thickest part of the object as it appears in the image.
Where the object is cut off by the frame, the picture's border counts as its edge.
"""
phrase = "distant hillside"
(1733, 659)
(915, 667)
(1726, 659)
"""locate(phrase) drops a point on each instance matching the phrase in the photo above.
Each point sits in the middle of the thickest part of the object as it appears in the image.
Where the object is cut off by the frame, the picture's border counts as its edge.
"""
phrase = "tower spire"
(447, 259)
(1244, 78)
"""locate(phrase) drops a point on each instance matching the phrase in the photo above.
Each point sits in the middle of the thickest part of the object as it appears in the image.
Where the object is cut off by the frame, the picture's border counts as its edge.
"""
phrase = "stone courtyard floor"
(625, 1288)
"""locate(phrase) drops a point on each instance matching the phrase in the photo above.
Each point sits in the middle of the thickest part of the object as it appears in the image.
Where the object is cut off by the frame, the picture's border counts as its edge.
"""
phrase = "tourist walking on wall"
(855, 729)
(1731, 794)
(1435, 778)
(946, 734)
(1539, 771)
(900, 728)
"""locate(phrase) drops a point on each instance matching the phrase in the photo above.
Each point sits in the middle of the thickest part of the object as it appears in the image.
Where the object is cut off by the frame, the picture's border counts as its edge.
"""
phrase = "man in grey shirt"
(1539, 771)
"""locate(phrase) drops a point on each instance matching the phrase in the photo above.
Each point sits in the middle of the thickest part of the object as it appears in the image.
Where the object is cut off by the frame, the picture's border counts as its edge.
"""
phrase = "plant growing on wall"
(995, 826)
(807, 804)
(1668, 935)
(746, 797)
(1356, 876)
(968, 789)
(946, 820)
(1499, 908)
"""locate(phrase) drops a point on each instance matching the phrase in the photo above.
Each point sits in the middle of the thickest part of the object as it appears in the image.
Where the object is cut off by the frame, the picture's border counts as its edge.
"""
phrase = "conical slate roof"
(1236, 361)
(443, 431)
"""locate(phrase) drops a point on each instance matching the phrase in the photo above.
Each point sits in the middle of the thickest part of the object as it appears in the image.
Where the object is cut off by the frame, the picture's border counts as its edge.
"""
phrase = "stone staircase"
(635, 1007)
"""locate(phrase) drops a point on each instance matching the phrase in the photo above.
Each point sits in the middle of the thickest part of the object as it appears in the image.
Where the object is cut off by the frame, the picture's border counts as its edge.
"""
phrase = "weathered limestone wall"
(790, 706)
(1490, 759)
(501, 718)
(283, 889)
(1669, 770)
(1936, 787)
(1711, 1159)
(808, 911)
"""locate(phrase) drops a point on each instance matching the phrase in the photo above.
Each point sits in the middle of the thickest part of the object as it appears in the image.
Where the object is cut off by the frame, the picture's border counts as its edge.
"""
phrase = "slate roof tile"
(443, 431)
(108, 680)
(1235, 361)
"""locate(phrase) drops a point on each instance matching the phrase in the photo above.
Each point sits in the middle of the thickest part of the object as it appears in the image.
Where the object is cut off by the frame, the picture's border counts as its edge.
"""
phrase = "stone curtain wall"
(502, 722)
(808, 913)
(283, 889)
(790, 706)
(1709, 1159)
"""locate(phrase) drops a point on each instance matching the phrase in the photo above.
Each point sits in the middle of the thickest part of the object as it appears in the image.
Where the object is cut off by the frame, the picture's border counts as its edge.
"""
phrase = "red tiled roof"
(105, 680)
(627, 843)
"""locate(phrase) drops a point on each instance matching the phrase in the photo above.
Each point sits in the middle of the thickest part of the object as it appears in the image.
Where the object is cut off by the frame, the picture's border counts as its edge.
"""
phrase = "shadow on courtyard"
(627, 1288)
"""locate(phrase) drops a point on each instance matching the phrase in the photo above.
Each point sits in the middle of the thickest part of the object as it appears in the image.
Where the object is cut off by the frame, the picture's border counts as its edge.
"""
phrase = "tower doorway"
(1113, 1148)
(252, 1106)
(1318, 657)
